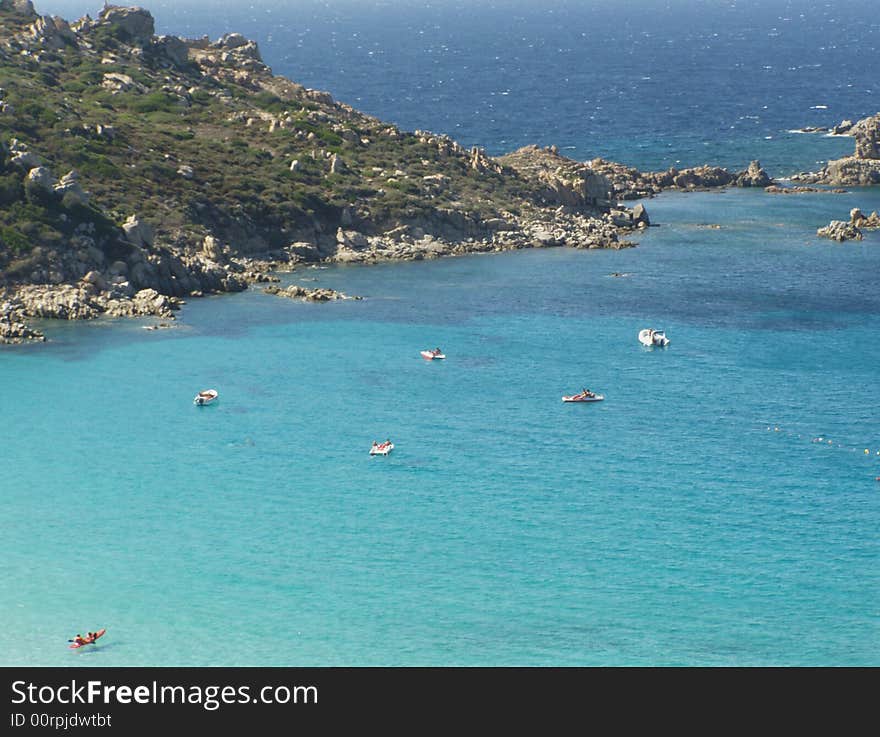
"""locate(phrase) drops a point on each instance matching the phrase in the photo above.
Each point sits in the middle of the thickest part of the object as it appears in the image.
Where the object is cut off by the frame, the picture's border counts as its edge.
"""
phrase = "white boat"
(651, 337)
(382, 449)
(205, 397)
(431, 355)
(584, 397)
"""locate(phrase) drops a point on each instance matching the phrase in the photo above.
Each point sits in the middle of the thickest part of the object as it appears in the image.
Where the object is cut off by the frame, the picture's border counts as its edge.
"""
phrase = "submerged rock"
(295, 291)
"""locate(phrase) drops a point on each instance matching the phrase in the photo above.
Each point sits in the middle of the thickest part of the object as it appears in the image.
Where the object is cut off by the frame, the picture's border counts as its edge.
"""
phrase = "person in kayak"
(587, 394)
(79, 640)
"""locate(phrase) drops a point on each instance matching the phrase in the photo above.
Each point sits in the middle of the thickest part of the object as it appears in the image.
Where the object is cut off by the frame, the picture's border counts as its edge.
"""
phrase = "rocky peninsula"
(138, 170)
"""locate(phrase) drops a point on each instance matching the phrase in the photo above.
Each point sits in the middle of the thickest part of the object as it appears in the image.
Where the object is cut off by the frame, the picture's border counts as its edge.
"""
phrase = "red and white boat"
(89, 640)
(382, 449)
(431, 355)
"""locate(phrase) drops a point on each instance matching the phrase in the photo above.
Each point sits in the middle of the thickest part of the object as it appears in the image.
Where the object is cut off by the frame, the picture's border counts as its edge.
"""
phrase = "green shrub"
(11, 189)
(14, 240)
(152, 102)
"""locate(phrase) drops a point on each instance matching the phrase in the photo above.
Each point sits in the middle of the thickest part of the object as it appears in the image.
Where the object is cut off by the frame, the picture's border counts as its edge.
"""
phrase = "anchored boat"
(650, 337)
(205, 397)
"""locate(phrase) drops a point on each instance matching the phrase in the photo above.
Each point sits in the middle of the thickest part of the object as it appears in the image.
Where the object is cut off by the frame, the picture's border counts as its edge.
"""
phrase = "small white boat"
(205, 397)
(431, 355)
(382, 449)
(650, 337)
(584, 397)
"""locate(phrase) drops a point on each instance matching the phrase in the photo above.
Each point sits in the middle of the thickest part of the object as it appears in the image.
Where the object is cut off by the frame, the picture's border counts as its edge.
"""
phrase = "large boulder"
(69, 188)
(137, 232)
(351, 239)
(41, 178)
(640, 216)
(150, 302)
(173, 49)
(136, 23)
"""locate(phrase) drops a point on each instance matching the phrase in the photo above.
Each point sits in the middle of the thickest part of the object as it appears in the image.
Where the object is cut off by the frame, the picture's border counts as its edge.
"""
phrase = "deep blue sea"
(718, 508)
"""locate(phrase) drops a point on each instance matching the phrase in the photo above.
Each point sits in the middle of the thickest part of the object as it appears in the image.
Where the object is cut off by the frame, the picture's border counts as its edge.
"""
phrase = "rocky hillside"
(136, 170)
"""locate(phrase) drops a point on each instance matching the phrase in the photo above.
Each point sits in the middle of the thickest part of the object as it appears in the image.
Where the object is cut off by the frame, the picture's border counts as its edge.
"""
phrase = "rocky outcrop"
(21, 155)
(12, 329)
(867, 135)
(564, 181)
(538, 228)
(137, 232)
(859, 170)
(628, 183)
(700, 177)
(243, 47)
(144, 302)
(136, 24)
(24, 8)
(295, 291)
(846, 172)
(754, 176)
(40, 178)
(13, 332)
(173, 49)
(232, 57)
(859, 220)
(50, 32)
(840, 230)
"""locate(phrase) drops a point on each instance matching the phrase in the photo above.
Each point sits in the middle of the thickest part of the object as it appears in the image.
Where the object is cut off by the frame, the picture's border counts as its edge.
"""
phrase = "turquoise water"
(671, 524)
